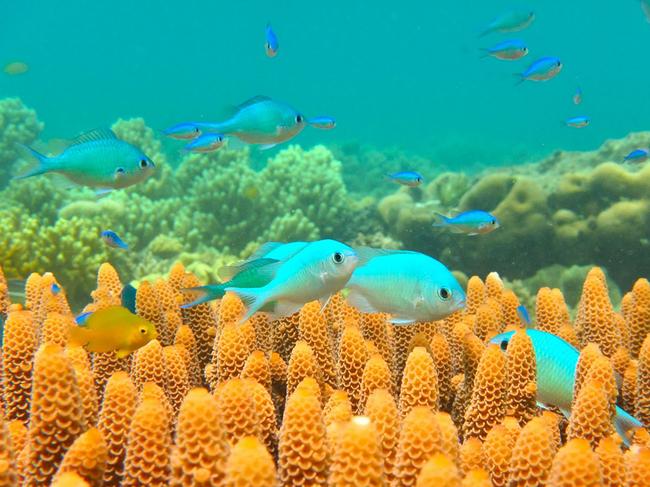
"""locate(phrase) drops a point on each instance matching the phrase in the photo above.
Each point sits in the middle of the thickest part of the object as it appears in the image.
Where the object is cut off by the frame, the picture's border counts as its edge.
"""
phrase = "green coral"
(18, 125)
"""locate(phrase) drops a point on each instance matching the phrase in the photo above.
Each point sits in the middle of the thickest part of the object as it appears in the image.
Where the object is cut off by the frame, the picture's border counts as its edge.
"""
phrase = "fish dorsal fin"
(228, 272)
(264, 249)
(252, 101)
(366, 254)
(97, 134)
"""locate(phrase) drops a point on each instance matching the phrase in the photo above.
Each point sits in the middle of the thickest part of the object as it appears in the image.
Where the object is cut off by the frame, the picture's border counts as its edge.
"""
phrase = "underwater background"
(410, 90)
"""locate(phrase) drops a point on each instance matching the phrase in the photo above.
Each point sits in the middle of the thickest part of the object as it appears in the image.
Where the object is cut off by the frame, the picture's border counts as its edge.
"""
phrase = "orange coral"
(7, 461)
(642, 395)
(337, 409)
(313, 330)
(475, 294)
(5, 300)
(176, 277)
(185, 338)
(148, 446)
(301, 364)
(32, 291)
(601, 370)
(488, 319)
(382, 410)
(419, 382)
(178, 382)
(588, 356)
(56, 329)
(87, 457)
(237, 409)
(356, 458)
(521, 378)
(17, 434)
(19, 344)
(250, 465)
(201, 320)
(448, 435)
(637, 316)
(532, 455)
(114, 423)
(352, 360)
(265, 414)
(401, 340)
(637, 465)
(575, 465)
(476, 478)
(546, 311)
(106, 364)
(487, 406)
(569, 335)
(109, 287)
(418, 440)
(628, 391)
(70, 479)
(590, 415)
(149, 365)
(374, 327)
(257, 368)
(612, 463)
(376, 375)
(302, 450)
(87, 393)
(493, 285)
(170, 314)
(231, 309)
(439, 471)
(200, 451)
(441, 354)
(56, 416)
(496, 452)
(285, 335)
(263, 332)
(469, 455)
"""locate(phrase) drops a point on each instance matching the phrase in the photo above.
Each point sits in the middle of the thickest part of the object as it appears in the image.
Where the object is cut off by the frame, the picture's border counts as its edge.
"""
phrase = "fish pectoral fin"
(324, 302)
(267, 146)
(122, 353)
(102, 192)
(285, 308)
(401, 321)
(359, 301)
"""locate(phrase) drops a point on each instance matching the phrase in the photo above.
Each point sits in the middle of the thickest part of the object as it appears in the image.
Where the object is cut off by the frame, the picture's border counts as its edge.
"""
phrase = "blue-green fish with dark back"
(542, 69)
(97, 159)
(556, 369)
(508, 50)
(472, 222)
(412, 179)
(510, 21)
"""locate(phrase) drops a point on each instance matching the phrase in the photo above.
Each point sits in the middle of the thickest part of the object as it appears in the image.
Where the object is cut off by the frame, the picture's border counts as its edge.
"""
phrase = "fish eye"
(337, 257)
(494, 222)
(143, 331)
(143, 163)
(299, 118)
(196, 130)
(444, 293)
(504, 345)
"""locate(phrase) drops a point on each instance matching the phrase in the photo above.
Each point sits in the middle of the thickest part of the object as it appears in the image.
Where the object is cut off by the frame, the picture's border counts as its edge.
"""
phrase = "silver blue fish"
(577, 96)
(112, 239)
(556, 370)
(318, 271)
(409, 286)
(97, 159)
(271, 45)
(56, 289)
(508, 50)
(577, 122)
(183, 131)
(322, 122)
(261, 121)
(209, 142)
(511, 21)
(637, 155)
(472, 222)
(522, 312)
(542, 69)
(406, 178)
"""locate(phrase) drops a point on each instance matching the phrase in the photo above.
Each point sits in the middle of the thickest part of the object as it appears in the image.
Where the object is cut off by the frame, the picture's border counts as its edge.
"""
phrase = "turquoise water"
(406, 76)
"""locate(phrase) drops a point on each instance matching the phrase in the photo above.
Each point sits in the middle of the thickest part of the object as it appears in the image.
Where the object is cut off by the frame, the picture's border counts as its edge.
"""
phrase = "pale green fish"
(410, 286)
(317, 271)
(97, 159)
(511, 21)
(261, 121)
(556, 370)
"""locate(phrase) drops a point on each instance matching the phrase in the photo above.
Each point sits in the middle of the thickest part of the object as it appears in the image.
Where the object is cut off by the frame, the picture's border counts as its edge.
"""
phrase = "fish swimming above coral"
(542, 69)
(113, 240)
(472, 222)
(508, 50)
(510, 21)
(316, 272)
(253, 273)
(409, 286)
(113, 328)
(411, 179)
(556, 368)
(260, 121)
(206, 143)
(577, 122)
(637, 156)
(97, 159)
(183, 131)
(322, 122)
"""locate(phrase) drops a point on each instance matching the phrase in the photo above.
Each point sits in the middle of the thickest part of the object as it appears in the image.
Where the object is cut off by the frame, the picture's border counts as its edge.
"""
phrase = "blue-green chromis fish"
(509, 50)
(254, 272)
(556, 369)
(271, 45)
(637, 155)
(411, 179)
(318, 271)
(409, 286)
(473, 222)
(322, 122)
(97, 159)
(542, 69)
(113, 240)
(577, 122)
(183, 131)
(261, 121)
(577, 96)
(510, 21)
(524, 317)
(206, 143)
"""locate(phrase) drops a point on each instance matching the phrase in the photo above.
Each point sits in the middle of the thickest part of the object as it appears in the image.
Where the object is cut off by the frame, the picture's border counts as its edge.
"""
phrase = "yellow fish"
(16, 68)
(112, 329)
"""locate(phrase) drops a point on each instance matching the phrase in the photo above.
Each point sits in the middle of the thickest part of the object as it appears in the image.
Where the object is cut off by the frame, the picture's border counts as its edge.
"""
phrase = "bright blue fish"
(406, 178)
(556, 369)
(577, 96)
(183, 131)
(112, 239)
(56, 289)
(522, 312)
(511, 21)
(541, 70)
(409, 286)
(322, 122)
(637, 155)
(271, 45)
(509, 50)
(473, 222)
(577, 122)
(209, 142)
(262, 121)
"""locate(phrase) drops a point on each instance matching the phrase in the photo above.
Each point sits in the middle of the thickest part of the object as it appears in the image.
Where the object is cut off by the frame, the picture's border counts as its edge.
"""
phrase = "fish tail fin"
(78, 336)
(206, 293)
(253, 299)
(44, 163)
(625, 425)
(520, 78)
(443, 220)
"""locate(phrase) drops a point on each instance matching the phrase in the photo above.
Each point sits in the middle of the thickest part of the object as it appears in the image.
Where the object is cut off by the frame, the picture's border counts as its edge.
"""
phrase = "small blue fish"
(637, 155)
(577, 96)
(522, 312)
(541, 70)
(183, 131)
(511, 21)
(577, 122)
(271, 45)
(323, 122)
(112, 239)
(56, 289)
(509, 50)
(206, 143)
(473, 222)
(411, 179)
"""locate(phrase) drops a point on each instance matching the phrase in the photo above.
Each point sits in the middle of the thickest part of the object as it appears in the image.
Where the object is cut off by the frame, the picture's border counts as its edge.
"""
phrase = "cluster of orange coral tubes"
(322, 398)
